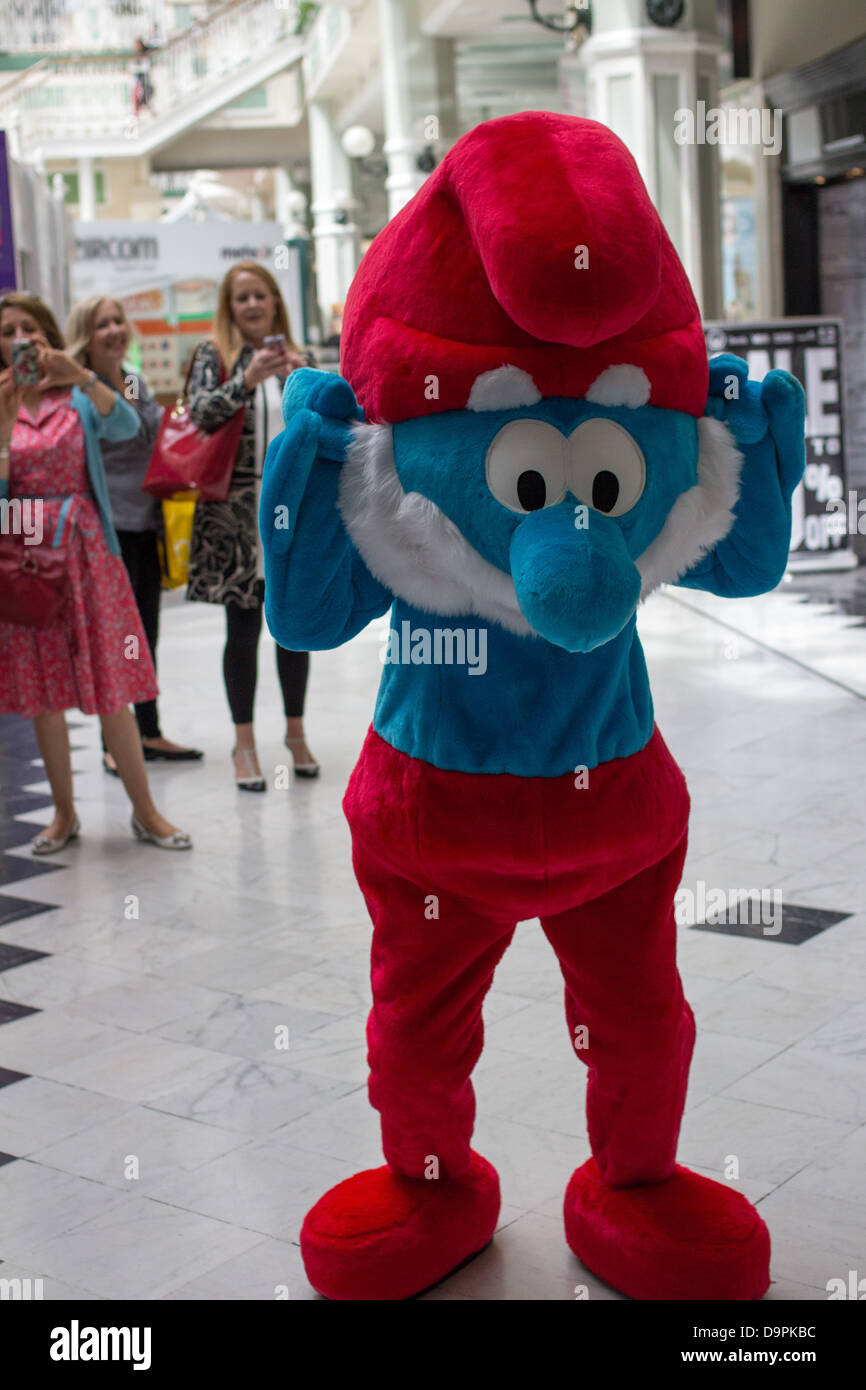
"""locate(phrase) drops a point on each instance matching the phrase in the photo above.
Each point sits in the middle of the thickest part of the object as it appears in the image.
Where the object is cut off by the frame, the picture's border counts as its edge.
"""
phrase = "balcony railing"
(61, 26)
(69, 99)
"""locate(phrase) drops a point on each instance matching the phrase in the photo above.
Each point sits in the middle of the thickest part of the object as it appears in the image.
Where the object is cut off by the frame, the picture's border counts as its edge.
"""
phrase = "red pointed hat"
(531, 263)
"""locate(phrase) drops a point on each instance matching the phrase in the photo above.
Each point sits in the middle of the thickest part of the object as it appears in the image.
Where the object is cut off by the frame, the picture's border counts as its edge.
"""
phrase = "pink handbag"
(34, 579)
(186, 458)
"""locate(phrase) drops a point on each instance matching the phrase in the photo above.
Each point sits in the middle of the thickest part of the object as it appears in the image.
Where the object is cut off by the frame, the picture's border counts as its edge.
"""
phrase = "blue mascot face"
(564, 496)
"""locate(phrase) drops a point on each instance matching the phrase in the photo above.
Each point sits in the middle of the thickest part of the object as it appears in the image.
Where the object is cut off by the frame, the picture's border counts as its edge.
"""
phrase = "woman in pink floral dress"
(96, 657)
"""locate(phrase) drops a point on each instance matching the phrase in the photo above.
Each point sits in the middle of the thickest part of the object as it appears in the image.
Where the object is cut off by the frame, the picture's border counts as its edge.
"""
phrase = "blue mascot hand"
(735, 400)
(767, 421)
(331, 398)
(318, 592)
(752, 410)
(318, 408)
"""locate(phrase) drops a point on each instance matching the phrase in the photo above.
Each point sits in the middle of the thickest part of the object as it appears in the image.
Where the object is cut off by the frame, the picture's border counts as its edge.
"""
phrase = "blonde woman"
(49, 451)
(239, 369)
(98, 334)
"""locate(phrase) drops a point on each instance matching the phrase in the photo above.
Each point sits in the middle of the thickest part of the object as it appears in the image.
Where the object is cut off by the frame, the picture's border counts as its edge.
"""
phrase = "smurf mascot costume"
(527, 439)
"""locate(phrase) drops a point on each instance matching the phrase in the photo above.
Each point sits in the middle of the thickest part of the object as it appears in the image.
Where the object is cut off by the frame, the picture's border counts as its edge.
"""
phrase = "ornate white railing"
(69, 99)
(68, 26)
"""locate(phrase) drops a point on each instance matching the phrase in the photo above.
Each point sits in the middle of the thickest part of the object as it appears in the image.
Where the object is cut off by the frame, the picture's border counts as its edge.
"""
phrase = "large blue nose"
(577, 587)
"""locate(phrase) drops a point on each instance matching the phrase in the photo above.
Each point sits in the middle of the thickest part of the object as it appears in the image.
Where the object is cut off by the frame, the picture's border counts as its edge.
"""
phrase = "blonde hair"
(79, 325)
(226, 334)
(33, 306)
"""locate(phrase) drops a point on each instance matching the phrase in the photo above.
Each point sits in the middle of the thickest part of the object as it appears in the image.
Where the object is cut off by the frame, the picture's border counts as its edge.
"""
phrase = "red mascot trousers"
(448, 863)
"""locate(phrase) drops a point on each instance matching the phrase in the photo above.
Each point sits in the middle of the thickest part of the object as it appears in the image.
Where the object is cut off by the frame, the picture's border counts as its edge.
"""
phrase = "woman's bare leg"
(52, 736)
(124, 744)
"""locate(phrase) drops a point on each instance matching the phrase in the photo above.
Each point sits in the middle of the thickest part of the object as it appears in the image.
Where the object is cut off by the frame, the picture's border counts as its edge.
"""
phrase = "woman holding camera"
(245, 367)
(95, 657)
(99, 334)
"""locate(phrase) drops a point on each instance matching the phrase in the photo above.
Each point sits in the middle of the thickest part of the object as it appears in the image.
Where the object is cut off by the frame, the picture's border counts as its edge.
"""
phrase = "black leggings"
(141, 558)
(240, 666)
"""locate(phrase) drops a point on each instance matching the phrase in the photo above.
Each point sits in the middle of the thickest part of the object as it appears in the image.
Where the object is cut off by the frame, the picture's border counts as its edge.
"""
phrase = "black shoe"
(307, 769)
(171, 755)
(252, 782)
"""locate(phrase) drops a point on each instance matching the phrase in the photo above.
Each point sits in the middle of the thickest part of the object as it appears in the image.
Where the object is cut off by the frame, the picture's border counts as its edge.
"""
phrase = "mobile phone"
(25, 362)
(275, 340)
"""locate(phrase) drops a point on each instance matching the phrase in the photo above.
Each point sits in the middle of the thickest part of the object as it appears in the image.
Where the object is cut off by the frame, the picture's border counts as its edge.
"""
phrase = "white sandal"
(49, 844)
(309, 769)
(178, 840)
(254, 781)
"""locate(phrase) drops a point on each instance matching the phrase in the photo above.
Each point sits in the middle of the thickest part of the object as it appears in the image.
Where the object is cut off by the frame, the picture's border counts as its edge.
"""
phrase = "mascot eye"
(606, 469)
(526, 466)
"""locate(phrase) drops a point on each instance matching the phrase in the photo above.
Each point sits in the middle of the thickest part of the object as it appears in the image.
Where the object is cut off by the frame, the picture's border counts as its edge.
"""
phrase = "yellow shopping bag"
(177, 518)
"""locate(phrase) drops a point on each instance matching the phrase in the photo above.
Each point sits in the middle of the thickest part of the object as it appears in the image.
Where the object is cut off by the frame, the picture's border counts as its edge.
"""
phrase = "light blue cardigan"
(121, 423)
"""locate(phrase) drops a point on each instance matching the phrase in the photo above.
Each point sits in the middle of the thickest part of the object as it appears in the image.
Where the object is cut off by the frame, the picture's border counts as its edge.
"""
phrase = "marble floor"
(156, 1143)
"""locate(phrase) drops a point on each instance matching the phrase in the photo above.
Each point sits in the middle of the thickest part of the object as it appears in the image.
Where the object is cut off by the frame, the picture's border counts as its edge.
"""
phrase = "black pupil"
(605, 491)
(531, 491)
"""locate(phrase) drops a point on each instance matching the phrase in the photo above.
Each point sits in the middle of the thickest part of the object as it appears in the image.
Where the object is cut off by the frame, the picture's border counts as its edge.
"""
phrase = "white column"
(86, 189)
(638, 76)
(290, 206)
(334, 232)
(396, 25)
(769, 242)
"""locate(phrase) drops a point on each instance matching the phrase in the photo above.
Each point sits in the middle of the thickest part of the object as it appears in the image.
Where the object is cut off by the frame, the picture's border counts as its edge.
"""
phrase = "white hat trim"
(620, 385)
(505, 388)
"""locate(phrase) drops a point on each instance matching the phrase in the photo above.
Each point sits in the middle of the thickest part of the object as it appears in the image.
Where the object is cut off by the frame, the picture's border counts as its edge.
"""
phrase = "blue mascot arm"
(318, 591)
(767, 420)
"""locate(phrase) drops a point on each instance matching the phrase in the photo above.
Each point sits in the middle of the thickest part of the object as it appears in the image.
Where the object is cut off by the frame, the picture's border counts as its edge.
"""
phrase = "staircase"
(67, 108)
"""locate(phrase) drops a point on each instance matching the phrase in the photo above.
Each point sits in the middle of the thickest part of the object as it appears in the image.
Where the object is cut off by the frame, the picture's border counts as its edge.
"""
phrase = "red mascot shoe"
(380, 1235)
(685, 1238)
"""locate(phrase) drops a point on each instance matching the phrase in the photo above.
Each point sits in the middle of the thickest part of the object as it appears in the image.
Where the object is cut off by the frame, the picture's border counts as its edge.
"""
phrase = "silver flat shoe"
(179, 840)
(48, 844)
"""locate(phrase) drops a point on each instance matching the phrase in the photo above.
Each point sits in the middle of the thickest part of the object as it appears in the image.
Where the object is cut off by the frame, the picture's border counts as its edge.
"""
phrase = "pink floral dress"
(96, 657)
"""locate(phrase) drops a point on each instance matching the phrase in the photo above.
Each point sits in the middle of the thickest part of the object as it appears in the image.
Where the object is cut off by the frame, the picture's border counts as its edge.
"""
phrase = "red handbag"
(34, 581)
(187, 458)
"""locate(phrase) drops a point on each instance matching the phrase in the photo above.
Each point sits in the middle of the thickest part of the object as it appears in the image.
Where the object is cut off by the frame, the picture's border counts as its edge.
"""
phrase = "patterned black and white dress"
(223, 562)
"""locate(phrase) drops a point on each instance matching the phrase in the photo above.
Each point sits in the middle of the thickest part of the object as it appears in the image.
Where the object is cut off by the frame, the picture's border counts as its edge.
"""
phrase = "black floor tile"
(15, 909)
(18, 802)
(15, 833)
(10, 1012)
(20, 766)
(10, 955)
(799, 924)
(8, 1077)
(14, 869)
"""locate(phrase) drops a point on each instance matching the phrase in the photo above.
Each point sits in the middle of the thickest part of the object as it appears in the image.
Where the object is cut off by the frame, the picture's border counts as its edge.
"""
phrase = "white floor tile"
(139, 1150)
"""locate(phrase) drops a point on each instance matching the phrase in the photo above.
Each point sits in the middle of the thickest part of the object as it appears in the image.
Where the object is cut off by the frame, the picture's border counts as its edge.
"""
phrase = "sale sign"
(811, 350)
